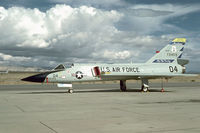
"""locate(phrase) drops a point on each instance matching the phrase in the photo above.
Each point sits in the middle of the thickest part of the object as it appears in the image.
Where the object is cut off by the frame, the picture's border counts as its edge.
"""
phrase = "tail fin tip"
(179, 40)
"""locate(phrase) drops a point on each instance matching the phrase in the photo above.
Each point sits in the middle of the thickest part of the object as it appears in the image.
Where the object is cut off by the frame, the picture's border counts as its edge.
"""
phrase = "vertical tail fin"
(170, 53)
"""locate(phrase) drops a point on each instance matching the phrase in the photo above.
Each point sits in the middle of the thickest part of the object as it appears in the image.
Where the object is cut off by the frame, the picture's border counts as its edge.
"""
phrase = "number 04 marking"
(173, 69)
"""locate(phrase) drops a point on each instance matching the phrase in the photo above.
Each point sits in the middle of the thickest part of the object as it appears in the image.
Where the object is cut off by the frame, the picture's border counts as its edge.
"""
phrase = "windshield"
(69, 65)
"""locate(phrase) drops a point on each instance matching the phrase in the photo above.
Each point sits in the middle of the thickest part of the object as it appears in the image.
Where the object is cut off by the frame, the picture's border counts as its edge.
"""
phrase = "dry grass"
(14, 78)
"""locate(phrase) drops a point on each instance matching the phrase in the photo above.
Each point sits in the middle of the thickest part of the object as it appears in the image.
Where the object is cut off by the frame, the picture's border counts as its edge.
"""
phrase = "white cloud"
(97, 3)
(6, 57)
(3, 13)
(34, 42)
(62, 33)
(85, 34)
(116, 55)
(173, 8)
(147, 19)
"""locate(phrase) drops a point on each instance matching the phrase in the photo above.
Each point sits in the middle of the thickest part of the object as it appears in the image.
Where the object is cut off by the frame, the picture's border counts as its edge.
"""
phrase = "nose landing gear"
(70, 90)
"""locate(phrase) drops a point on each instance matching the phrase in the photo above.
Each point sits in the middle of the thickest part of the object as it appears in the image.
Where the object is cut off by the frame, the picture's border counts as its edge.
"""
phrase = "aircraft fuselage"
(86, 72)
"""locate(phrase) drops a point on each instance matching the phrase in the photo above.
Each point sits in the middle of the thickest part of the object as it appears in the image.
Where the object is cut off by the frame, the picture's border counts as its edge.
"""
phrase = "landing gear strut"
(70, 90)
(123, 85)
(145, 85)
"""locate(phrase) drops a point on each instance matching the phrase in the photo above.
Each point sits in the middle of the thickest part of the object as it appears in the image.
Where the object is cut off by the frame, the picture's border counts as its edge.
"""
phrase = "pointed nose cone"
(36, 78)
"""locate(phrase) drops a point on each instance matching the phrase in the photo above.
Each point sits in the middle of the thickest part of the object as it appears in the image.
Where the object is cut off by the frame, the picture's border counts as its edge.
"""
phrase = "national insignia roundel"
(79, 75)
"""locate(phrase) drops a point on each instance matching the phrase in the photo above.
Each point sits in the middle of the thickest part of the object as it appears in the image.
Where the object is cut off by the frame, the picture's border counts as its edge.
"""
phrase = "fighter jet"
(166, 63)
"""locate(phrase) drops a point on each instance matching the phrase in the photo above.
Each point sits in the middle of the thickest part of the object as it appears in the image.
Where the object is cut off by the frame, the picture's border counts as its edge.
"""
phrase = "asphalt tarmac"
(100, 108)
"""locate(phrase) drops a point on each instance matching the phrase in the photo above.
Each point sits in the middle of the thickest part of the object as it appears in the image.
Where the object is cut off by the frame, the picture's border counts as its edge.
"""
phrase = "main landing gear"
(123, 85)
(70, 90)
(145, 85)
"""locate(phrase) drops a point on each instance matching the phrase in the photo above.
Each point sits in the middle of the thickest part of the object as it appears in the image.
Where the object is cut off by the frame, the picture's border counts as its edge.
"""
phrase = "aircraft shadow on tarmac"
(94, 91)
(173, 101)
(117, 90)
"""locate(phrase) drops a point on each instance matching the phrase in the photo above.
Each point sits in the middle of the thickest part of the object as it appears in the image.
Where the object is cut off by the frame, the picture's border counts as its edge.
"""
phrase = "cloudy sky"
(42, 34)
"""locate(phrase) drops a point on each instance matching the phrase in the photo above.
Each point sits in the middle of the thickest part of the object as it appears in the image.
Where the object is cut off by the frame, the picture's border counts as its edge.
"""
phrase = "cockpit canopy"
(63, 67)
(59, 67)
